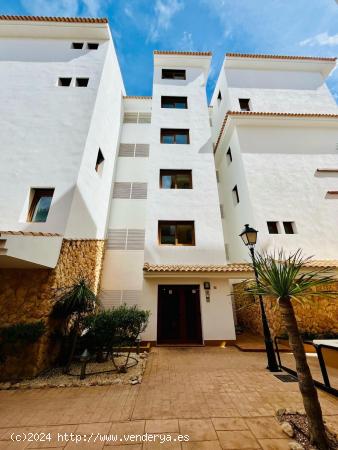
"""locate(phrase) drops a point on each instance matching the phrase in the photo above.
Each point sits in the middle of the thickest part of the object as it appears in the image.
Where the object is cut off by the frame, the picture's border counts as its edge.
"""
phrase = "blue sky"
(291, 27)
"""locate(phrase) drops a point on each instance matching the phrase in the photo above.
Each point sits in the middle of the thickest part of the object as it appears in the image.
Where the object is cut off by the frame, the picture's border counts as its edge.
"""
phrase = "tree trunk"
(307, 388)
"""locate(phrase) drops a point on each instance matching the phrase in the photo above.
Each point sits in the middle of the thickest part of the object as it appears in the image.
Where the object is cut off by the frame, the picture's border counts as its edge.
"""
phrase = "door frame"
(199, 305)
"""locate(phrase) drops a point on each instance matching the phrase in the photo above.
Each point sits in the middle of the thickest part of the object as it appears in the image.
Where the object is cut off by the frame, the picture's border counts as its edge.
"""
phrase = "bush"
(22, 332)
(115, 327)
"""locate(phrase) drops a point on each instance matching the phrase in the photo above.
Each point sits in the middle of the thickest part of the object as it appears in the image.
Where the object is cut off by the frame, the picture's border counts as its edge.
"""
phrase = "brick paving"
(220, 398)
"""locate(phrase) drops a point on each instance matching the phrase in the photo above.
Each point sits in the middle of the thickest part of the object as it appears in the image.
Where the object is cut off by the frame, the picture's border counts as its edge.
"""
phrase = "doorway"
(179, 315)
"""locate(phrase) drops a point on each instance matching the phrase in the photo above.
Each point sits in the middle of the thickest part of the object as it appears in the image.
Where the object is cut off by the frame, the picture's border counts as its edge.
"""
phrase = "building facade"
(165, 183)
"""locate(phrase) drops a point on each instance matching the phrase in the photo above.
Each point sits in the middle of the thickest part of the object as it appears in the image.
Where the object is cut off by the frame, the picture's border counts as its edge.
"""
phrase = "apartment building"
(164, 183)
(275, 138)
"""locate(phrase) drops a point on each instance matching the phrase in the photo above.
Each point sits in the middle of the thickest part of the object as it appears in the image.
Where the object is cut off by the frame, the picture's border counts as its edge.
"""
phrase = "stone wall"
(317, 315)
(26, 295)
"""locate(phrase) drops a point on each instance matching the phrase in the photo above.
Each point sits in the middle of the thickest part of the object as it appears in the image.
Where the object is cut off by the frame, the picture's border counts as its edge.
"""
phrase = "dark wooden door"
(179, 315)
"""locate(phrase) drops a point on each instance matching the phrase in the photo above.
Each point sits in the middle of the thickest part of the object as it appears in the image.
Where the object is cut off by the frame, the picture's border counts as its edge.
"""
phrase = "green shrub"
(22, 332)
(115, 327)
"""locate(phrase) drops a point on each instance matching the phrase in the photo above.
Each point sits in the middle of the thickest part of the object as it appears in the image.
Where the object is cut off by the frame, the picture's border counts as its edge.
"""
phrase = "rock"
(5, 386)
(133, 381)
(287, 428)
(280, 412)
(295, 446)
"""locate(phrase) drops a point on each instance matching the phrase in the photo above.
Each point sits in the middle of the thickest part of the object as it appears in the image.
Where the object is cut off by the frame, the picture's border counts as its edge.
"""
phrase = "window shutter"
(139, 190)
(130, 117)
(122, 190)
(135, 239)
(144, 117)
(131, 297)
(142, 150)
(116, 239)
(126, 150)
(115, 298)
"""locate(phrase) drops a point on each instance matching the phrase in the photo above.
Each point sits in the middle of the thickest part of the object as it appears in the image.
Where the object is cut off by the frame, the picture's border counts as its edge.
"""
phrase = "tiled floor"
(219, 398)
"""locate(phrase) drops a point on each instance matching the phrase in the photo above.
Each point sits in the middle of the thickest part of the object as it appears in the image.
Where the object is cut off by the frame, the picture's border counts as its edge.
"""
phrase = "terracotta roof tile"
(269, 114)
(56, 19)
(29, 233)
(292, 58)
(196, 268)
(171, 52)
(138, 97)
(225, 268)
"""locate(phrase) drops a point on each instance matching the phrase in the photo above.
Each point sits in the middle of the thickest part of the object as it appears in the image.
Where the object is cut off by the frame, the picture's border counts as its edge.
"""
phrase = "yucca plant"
(288, 280)
(72, 305)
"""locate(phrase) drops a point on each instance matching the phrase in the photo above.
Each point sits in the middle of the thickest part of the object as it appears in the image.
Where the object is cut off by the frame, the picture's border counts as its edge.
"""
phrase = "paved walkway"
(220, 398)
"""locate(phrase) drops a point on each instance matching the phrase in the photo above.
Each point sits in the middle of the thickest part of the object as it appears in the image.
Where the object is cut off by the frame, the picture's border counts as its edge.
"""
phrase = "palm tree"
(72, 305)
(287, 279)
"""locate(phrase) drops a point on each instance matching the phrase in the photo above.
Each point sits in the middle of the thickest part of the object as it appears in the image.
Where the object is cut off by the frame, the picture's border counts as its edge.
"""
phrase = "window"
(64, 81)
(219, 97)
(289, 227)
(273, 227)
(244, 104)
(176, 233)
(81, 82)
(229, 156)
(235, 195)
(173, 74)
(99, 162)
(175, 179)
(77, 45)
(40, 204)
(92, 45)
(171, 136)
(174, 102)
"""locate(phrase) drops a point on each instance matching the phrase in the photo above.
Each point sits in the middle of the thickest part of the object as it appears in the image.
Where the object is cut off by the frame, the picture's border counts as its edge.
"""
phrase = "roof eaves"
(54, 19)
(280, 57)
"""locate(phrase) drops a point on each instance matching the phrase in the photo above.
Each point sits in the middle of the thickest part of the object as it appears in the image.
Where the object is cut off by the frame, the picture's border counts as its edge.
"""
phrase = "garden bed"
(55, 378)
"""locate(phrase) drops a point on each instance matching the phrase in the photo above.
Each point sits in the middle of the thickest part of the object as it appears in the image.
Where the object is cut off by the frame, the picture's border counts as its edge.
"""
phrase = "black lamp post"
(249, 237)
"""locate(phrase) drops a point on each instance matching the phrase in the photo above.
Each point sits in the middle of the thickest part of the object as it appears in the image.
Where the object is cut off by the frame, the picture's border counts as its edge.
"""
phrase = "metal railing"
(326, 385)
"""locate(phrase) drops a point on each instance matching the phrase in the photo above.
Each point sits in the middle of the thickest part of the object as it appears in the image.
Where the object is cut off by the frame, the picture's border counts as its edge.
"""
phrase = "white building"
(168, 181)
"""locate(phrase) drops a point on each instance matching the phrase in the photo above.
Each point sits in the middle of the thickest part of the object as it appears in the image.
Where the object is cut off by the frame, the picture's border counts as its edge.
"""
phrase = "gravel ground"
(55, 377)
(300, 427)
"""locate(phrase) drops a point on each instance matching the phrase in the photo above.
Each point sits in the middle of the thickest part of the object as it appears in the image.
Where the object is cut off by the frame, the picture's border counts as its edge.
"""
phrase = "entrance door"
(179, 315)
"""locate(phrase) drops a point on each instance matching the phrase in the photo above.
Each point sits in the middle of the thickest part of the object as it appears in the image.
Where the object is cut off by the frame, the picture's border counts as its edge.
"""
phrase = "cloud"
(321, 39)
(186, 42)
(164, 12)
(69, 8)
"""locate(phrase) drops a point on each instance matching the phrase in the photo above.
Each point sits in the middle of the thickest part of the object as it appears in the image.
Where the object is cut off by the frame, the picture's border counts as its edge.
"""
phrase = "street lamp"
(249, 237)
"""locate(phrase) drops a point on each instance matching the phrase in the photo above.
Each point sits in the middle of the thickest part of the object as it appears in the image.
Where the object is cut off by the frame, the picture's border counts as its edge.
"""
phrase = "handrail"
(326, 386)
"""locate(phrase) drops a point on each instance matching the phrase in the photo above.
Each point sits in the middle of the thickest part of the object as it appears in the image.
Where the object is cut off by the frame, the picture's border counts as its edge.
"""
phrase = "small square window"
(229, 156)
(174, 136)
(81, 82)
(99, 162)
(174, 102)
(92, 45)
(64, 81)
(235, 195)
(173, 74)
(77, 45)
(176, 233)
(41, 200)
(219, 97)
(273, 227)
(289, 227)
(175, 179)
(244, 104)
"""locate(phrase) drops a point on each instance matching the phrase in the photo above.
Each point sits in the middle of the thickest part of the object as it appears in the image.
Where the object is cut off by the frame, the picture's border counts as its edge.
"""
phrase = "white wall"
(275, 170)
(199, 204)
(51, 134)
